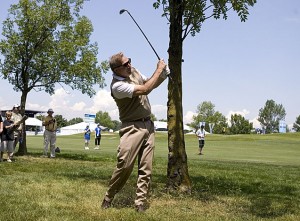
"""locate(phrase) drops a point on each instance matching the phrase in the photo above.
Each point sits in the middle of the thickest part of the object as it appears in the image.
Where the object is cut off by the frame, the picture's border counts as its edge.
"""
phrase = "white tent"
(33, 126)
(33, 122)
(78, 128)
(163, 126)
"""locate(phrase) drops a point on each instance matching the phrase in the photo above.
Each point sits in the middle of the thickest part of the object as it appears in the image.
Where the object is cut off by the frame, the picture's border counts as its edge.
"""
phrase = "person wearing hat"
(49, 134)
(87, 137)
(97, 137)
(16, 117)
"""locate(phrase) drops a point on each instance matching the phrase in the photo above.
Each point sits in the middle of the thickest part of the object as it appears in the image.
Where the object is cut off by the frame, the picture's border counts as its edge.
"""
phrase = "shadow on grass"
(268, 200)
(101, 172)
(265, 199)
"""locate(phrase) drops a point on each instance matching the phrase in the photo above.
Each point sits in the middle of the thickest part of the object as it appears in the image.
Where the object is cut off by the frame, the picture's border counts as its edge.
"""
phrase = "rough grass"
(243, 177)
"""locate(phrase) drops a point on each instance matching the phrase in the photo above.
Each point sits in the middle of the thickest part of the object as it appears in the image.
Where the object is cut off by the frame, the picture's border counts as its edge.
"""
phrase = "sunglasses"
(125, 64)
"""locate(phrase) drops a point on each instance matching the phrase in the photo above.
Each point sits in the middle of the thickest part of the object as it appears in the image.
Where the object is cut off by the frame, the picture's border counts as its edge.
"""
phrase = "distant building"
(28, 113)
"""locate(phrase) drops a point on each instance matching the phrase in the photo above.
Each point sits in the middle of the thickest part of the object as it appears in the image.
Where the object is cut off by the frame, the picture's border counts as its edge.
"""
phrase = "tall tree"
(296, 125)
(270, 115)
(206, 113)
(239, 125)
(48, 42)
(117, 125)
(186, 17)
(104, 119)
(75, 120)
(61, 121)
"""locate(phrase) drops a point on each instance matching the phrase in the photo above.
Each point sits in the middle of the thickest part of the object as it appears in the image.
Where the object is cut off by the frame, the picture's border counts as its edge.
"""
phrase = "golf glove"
(165, 72)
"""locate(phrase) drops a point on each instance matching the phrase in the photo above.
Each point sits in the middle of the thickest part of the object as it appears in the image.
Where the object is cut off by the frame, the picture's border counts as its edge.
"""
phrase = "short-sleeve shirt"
(97, 132)
(122, 89)
(7, 134)
(201, 134)
(87, 134)
(52, 126)
(15, 118)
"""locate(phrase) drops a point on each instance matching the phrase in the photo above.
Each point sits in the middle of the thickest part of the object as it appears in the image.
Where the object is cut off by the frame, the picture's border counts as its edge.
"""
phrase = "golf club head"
(122, 11)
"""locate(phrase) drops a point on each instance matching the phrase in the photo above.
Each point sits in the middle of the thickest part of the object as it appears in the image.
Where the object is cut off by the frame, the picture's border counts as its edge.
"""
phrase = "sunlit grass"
(244, 177)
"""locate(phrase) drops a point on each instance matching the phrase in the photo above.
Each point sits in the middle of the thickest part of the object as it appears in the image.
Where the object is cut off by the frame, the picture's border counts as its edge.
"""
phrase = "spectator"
(16, 117)
(1, 129)
(97, 137)
(49, 134)
(200, 133)
(87, 137)
(7, 137)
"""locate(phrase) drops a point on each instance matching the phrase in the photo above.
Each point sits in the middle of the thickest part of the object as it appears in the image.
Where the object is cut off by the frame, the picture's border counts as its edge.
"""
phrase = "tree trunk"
(177, 172)
(22, 145)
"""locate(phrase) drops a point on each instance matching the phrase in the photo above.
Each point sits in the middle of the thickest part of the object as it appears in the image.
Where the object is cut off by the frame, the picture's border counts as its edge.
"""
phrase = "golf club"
(167, 68)
(124, 10)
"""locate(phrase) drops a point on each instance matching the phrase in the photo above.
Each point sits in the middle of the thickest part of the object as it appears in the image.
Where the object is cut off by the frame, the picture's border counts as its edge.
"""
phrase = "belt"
(50, 130)
(143, 119)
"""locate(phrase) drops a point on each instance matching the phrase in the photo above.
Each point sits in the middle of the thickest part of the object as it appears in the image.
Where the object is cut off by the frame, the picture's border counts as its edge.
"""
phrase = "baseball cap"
(16, 106)
(50, 110)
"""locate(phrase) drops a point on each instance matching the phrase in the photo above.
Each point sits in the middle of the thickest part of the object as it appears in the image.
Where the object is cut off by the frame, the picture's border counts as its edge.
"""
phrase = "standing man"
(201, 137)
(97, 137)
(130, 88)
(16, 117)
(49, 134)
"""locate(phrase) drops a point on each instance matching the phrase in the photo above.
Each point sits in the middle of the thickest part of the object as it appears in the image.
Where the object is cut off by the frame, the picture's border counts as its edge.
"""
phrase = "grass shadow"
(266, 201)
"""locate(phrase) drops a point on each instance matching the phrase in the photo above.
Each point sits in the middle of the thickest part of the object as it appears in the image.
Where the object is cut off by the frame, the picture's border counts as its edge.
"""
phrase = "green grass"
(240, 177)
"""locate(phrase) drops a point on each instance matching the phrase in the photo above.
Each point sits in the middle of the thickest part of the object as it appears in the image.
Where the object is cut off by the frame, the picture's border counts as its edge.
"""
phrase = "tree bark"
(177, 172)
(22, 145)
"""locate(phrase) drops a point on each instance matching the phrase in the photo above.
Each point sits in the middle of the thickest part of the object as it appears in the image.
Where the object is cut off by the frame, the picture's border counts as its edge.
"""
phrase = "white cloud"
(256, 123)
(188, 117)
(104, 102)
(79, 106)
(159, 111)
(243, 113)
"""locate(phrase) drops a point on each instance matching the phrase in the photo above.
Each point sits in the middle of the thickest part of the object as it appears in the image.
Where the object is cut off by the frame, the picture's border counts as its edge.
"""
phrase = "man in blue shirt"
(97, 137)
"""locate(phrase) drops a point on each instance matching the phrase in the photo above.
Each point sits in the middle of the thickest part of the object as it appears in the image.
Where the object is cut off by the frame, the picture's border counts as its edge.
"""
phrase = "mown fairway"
(242, 177)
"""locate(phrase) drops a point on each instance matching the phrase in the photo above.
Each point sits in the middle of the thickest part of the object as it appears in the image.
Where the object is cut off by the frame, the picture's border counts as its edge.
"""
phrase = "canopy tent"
(33, 122)
(163, 126)
(78, 128)
(33, 126)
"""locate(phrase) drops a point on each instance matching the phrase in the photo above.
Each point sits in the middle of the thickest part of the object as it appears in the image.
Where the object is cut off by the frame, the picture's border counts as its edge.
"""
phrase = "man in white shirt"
(130, 88)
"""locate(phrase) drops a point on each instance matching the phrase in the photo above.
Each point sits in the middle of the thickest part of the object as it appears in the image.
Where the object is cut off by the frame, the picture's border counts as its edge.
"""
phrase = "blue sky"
(237, 66)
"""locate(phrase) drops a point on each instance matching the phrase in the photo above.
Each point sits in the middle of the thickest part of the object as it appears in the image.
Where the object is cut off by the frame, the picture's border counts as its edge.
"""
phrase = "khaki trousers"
(49, 138)
(136, 141)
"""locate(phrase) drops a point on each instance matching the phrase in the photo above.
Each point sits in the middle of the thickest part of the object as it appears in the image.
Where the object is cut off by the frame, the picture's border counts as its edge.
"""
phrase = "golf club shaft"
(121, 12)
(143, 34)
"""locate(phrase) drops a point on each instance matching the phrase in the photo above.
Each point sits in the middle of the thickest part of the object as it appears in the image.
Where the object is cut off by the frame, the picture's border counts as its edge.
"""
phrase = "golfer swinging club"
(130, 88)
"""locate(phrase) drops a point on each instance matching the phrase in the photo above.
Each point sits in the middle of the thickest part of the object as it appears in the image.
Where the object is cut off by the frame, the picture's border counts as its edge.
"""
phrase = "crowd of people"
(10, 132)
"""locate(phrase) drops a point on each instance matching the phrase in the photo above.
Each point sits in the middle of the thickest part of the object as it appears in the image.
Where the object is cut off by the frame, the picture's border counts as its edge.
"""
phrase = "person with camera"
(49, 134)
(16, 117)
